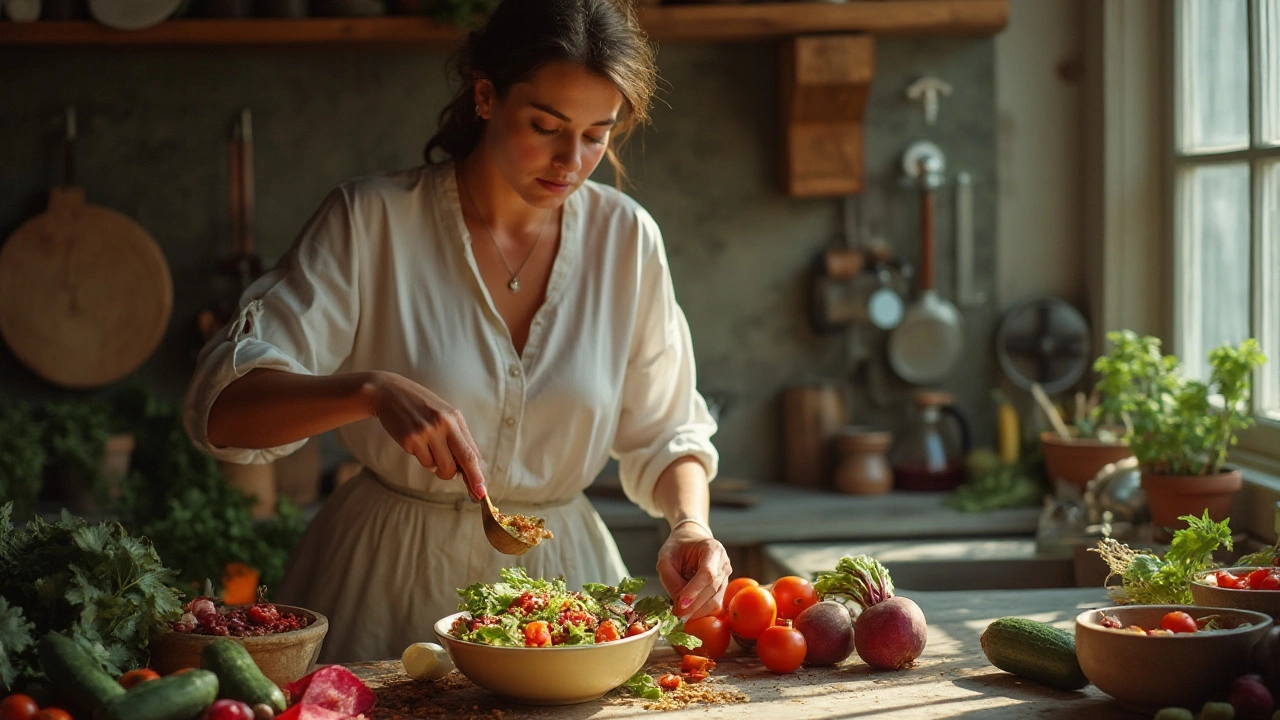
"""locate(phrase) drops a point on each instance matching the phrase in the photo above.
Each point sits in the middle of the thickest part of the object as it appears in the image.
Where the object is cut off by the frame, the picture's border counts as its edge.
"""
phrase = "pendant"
(514, 285)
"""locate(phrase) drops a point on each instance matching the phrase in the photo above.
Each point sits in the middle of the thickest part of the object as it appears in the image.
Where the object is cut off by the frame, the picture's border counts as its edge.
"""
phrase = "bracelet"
(695, 521)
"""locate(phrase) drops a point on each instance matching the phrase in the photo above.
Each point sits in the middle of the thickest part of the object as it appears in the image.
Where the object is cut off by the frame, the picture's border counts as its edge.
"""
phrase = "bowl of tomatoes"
(537, 642)
(1152, 656)
(1246, 588)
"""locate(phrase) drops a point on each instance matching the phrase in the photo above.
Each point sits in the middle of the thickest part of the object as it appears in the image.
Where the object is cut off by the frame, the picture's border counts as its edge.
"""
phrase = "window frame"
(1259, 446)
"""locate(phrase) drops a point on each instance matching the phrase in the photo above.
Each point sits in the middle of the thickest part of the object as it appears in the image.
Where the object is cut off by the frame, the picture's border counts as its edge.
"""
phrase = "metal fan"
(1045, 341)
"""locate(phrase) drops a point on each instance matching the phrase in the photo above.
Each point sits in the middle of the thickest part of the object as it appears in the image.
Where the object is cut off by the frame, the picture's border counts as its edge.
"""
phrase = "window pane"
(1213, 75)
(1267, 394)
(1213, 281)
(1268, 15)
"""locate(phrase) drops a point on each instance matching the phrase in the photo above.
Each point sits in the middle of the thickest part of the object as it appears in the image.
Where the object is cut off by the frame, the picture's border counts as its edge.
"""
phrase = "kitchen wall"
(153, 131)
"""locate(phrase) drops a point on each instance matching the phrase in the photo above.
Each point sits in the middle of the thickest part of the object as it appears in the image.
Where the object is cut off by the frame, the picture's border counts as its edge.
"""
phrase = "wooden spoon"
(502, 538)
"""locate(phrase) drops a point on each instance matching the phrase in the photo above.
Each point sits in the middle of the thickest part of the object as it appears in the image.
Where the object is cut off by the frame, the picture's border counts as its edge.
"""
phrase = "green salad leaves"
(572, 616)
(1147, 579)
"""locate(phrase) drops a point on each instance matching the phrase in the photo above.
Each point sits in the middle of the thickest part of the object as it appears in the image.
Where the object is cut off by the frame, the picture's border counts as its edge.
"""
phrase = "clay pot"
(863, 467)
(257, 481)
(283, 658)
(1172, 496)
(1078, 460)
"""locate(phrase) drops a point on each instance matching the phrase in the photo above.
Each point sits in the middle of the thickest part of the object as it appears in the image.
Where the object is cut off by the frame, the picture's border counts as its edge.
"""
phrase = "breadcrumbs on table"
(707, 692)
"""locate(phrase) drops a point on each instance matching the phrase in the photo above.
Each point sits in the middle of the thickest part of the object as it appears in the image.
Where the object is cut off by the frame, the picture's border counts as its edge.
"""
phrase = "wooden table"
(951, 680)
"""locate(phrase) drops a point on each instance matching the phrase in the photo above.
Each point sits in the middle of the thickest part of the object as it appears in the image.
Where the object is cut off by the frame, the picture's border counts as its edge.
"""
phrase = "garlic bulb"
(426, 661)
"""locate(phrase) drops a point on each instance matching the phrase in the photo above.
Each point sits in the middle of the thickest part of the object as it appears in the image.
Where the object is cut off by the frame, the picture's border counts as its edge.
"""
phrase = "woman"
(491, 324)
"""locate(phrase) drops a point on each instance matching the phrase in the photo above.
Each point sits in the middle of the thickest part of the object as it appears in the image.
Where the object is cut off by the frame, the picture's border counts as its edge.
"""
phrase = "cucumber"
(77, 678)
(1035, 651)
(238, 675)
(173, 697)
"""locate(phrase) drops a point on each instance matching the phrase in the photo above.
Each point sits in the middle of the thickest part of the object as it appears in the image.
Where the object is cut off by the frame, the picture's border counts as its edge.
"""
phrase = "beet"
(335, 688)
(1251, 699)
(1266, 656)
(828, 632)
(891, 634)
(303, 711)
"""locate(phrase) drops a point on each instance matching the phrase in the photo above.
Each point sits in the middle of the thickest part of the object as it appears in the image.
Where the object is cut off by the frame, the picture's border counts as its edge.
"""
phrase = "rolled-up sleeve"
(663, 416)
(300, 317)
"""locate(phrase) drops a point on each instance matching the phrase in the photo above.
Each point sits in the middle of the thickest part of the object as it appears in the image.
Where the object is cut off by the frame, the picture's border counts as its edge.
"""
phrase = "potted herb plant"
(1090, 447)
(1179, 429)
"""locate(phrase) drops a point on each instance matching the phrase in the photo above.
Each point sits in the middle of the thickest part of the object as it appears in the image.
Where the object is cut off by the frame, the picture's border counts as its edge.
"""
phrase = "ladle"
(502, 538)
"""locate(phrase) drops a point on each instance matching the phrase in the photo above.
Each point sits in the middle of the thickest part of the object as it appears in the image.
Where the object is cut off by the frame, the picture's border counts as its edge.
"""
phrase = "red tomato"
(133, 677)
(781, 648)
(1178, 622)
(183, 671)
(636, 628)
(18, 707)
(696, 663)
(1227, 580)
(53, 713)
(537, 634)
(607, 632)
(733, 588)
(793, 595)
(670, 682)
(1257, 577)
(751, 611)
(713, 631)
(1272, 582)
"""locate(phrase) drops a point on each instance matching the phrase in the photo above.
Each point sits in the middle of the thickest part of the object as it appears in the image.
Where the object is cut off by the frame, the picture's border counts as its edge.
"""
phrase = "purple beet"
(891, 634)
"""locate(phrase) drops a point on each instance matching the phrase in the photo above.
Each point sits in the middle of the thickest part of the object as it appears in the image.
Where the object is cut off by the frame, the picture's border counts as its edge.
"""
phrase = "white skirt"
(383, 562)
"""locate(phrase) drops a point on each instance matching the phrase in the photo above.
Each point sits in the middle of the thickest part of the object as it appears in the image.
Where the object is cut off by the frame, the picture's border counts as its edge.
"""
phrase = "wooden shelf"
(709, 23)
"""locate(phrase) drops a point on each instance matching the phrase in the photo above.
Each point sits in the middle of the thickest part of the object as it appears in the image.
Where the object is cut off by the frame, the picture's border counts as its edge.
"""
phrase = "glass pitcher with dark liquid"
(931, 456)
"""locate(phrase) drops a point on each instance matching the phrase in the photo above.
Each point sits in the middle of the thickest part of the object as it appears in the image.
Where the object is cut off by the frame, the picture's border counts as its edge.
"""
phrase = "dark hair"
(520, 36)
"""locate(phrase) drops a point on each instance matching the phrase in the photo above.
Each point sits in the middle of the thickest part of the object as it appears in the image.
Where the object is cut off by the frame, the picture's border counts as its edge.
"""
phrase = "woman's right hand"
(427, 427)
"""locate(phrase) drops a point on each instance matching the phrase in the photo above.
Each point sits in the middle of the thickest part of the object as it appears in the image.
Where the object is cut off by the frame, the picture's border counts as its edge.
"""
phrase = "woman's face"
(550, 132)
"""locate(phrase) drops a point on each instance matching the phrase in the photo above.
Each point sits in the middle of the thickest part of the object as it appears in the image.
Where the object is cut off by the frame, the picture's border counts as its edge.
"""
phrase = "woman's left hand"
(694, 568)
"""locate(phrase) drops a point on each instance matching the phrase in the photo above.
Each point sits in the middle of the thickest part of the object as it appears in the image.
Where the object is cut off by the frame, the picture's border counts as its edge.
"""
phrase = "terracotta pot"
(1172, 496)
(864, 468)
(283, 658)
(255, 480)
(1078, 460)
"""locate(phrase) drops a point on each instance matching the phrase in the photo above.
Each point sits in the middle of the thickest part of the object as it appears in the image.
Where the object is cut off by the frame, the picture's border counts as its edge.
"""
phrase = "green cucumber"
(173, 697)
(1035, 651)
(78, 679)
(238, 675)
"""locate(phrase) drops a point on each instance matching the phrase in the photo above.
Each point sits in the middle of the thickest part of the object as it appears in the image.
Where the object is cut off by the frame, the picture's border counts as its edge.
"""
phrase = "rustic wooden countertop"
(951, 680)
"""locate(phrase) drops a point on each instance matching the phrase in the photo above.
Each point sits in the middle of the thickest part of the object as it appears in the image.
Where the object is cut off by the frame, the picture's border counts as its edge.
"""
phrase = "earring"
(478, 112)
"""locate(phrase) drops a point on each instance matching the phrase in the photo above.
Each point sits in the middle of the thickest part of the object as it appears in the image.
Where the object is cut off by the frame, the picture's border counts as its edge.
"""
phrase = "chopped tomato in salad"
(1259, 579)
(522, 612)
(1176, 623)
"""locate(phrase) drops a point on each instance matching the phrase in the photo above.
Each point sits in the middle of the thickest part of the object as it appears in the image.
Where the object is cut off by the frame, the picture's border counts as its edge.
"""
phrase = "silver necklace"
(514, 284)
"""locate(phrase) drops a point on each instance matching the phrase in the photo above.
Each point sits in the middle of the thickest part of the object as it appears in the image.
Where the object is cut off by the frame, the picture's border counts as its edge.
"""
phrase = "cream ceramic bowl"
(1207, 595)
(547, 676)
(1146, 673)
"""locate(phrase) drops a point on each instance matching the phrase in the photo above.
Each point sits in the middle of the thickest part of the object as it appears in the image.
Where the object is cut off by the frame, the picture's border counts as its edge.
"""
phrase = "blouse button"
(515, 371)
(509, 420)
(500, 468)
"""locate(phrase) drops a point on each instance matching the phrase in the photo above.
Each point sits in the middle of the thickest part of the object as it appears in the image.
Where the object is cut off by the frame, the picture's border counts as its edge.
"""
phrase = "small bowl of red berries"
(283, 640)
(1246, 588)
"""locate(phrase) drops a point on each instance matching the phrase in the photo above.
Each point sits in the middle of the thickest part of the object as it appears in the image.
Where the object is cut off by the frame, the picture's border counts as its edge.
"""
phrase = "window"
(1226, 191)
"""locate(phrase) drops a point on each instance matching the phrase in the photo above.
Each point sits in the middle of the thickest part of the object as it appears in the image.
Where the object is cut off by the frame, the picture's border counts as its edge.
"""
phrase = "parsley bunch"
(102, 587)
(1147, 579)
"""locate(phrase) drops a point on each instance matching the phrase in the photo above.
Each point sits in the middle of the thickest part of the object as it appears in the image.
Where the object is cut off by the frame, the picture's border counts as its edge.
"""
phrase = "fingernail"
(480, 492)
(686, 602)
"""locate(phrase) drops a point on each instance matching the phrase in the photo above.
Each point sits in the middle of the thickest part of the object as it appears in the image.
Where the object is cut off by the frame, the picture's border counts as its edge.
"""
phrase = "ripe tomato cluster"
(22, 707)
(1260, 579)
(758, 618)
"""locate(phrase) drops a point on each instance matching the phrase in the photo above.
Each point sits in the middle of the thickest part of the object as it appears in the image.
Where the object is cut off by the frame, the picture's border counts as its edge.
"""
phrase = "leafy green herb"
(1262, 558)
(1007, 486)
(104, 588)
(15, 639)
(861, 580)
(1147, 579)
(1173, 424)
(642, 685)
(75, 437)
(22, 457)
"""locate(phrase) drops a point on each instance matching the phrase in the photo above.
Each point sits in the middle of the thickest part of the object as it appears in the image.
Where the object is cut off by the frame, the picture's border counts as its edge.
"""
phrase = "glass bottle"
(929, 458)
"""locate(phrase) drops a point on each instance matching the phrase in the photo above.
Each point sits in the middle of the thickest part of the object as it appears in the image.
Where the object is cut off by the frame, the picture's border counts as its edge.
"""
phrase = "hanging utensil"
(929, 342)
(85, 292)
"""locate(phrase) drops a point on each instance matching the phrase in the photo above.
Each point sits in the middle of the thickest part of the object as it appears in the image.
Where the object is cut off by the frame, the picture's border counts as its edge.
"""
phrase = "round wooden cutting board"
(85, 293)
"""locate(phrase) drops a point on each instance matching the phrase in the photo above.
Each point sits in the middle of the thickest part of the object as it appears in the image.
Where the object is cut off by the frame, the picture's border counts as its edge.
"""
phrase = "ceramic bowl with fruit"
(283, 640)
(1246, 588)
(1149, 657)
